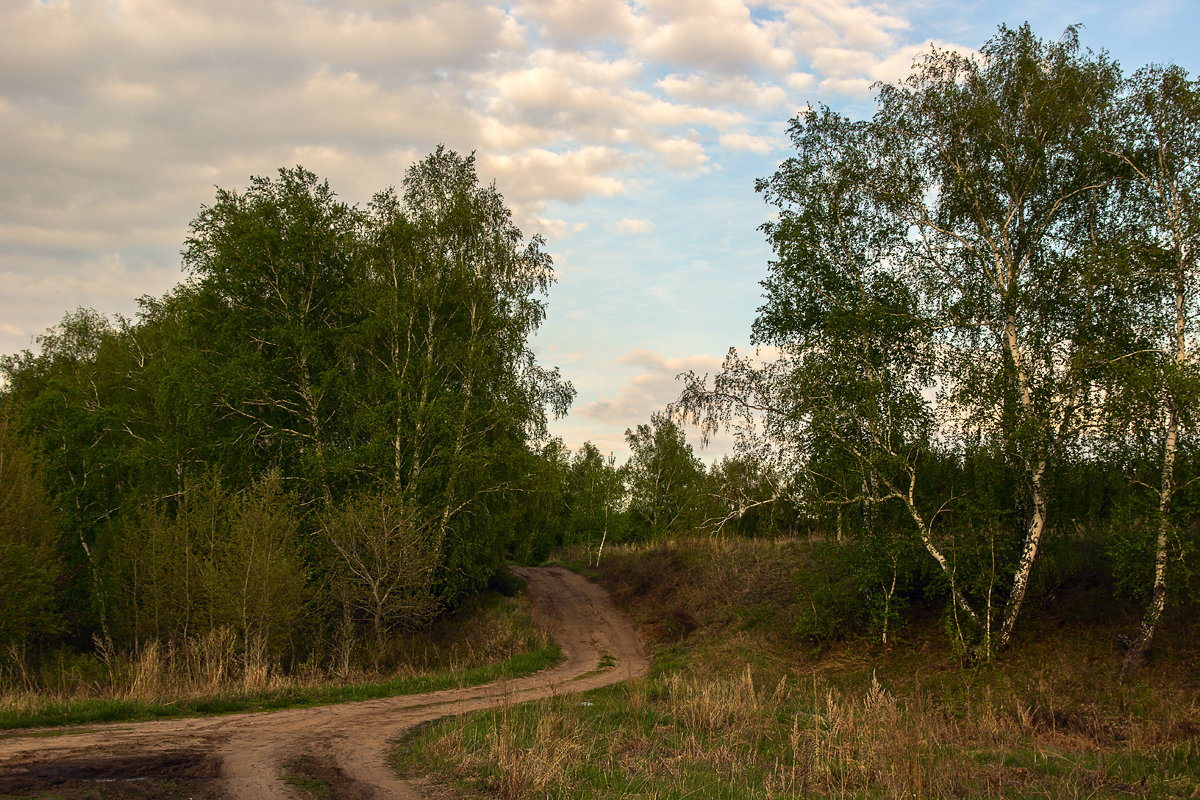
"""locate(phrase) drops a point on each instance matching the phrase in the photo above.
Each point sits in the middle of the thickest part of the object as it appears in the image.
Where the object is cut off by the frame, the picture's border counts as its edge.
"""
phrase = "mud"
(112, 774)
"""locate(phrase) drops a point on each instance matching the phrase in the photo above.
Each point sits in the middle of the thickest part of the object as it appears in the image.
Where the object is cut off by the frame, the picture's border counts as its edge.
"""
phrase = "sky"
(628, 134)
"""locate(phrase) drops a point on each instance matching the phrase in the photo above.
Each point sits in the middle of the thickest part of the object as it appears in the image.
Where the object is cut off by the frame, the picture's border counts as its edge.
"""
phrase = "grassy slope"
(487, 640)
(737, 707)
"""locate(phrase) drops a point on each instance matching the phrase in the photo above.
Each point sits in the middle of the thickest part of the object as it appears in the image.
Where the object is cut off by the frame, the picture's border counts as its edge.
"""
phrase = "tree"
(329, 352)
(841, 402)
(209, 559)
(1007, 157)
(385, 563)
(1159, 383)
(276, 264)
(29, 564)
(454, 293)
(64, 407)
(254, 576)
(745, 497)
(664, 480)
(947, 242)
(597, 499)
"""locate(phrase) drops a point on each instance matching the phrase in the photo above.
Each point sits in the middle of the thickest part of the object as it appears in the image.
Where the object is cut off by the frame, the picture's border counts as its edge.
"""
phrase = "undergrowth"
(487, 640)
(740, 704)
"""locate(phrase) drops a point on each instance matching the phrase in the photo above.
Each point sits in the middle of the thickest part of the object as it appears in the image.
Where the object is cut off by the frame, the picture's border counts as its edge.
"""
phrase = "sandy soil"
(242, 756)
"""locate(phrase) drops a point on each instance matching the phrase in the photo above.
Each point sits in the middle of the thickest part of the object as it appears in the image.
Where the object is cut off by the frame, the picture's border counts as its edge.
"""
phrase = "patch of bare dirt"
(107, 774)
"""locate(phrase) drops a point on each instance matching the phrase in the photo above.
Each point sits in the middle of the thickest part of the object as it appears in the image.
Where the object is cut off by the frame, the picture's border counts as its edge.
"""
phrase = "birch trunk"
(1166, 491)
(1037, 472)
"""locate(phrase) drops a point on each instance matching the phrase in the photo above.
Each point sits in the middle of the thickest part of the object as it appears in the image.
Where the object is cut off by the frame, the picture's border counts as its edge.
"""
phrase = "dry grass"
(675, 737)
(220, 664)
(737, 708)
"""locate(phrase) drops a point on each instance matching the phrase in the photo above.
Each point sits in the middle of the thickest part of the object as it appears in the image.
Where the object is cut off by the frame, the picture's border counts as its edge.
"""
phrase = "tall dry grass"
(738, 708)
(220, 663)
(680, 736)
(212, 664)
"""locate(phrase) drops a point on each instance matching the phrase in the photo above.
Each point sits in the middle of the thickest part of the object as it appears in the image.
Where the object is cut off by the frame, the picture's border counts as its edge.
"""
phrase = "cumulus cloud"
(650, 388)
(572, 23)
(538, 175)
(716, 35)
(739, 90)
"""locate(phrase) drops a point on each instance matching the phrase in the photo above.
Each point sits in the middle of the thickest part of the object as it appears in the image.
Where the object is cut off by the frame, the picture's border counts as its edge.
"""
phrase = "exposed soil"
(341, 748)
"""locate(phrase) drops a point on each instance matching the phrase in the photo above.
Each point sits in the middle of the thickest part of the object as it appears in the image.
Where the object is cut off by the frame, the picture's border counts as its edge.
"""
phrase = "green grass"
(301, 776)
(741, 707)
(95, 710)
(492, 616)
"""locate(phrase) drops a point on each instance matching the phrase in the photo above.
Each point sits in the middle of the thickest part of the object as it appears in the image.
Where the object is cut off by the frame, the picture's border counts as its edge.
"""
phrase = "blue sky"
(628, 133)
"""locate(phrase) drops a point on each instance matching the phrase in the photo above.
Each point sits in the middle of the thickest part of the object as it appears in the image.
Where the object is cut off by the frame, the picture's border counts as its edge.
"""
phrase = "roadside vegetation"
(951, 552)
(489, 638)
(748, 699)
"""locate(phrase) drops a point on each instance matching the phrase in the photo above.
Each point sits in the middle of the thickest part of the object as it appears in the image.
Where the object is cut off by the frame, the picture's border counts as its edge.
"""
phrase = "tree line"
(323, 435)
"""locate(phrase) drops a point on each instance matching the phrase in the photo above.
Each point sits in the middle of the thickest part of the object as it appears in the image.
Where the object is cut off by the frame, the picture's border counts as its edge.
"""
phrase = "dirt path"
(243, 755)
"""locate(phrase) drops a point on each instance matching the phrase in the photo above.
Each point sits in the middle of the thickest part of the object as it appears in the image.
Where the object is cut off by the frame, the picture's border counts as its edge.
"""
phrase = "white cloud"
(738, 90)
(801, 80)
(652, 386)
(750, 143)
(45, 286)
(717, 35)
(629, 226)
(118, 118)
(574, 22)
(649, 389)
(539, 175)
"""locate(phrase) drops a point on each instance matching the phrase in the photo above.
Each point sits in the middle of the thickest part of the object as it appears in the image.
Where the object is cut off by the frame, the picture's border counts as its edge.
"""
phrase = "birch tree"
(385, 563)
(1009, 150)
(665, 480)
(839, 401)
(949, 242)
(597, 499)
(454, 292)
(275, 264)
(1159, 389)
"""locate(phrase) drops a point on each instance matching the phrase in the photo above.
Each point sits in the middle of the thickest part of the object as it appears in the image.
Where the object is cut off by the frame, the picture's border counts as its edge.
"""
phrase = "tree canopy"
(969, 290)
(331, 416)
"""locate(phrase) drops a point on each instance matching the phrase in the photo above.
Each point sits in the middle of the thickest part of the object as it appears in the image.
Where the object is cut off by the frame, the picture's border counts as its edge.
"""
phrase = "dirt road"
(243, 756)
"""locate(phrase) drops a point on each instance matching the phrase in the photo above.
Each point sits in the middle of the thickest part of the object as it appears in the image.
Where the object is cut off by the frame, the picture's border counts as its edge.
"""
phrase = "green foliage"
(597, 498)
(978, 314)
(664, 479)
(29, 566)
(744, 499)
(383, 565)
(829, 600)
(328, 375)
(218, 560)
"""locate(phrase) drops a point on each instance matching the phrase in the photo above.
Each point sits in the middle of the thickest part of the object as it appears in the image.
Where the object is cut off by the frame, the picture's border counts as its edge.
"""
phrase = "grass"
(303, 775)
(488, 641)
(737, 706)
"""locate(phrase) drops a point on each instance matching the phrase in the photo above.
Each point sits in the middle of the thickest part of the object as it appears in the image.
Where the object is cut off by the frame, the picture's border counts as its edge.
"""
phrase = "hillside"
(743, 704)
